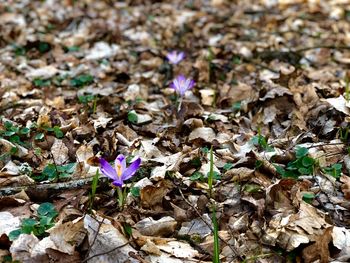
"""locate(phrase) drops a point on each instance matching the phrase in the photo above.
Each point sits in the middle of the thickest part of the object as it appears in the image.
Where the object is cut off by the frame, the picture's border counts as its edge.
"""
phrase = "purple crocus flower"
(175, 57)
(180, 84)
(120, 173)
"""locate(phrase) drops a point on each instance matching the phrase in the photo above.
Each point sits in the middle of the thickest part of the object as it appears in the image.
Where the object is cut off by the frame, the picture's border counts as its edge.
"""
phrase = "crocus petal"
(118, 182)
(181, 56)
(131, 170)
(191, 84)
(108, 170)
(181, 79)
(174, 57)
(120, 161)
(176, 85)
(172, 85)
(171, 56)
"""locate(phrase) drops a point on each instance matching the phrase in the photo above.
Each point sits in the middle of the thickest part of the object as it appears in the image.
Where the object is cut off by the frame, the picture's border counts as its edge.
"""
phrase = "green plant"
(236, 107)
(347, 89)
(197, 176)
(5, 155)
(53, 172)
(205, 150)
(8, 259)
(81, 80)
(258, 164)
(94, 185)
(43, 47)
(71, 49)
(19, 50)
(302, 165)
(260, 140)
(135, 191)
(216, 254)
(308, 197)
(334, 170)
(227, 166)
(14, 133)
(86, 99)
(252, 188)
(236, 60)
(344, 134)
(56, 130)
(132, 117)
(44, 220)
(39, 82)
(211, 172)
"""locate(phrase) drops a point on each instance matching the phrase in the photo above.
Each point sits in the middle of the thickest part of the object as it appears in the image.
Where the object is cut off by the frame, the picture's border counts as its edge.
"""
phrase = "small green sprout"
(211, 172)
(334, 170)
(132, 117)
(260, 140)
(94, 185)
(216, 254)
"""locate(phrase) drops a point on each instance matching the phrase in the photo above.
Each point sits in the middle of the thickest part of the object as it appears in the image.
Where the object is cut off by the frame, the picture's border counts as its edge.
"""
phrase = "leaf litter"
(265, 83)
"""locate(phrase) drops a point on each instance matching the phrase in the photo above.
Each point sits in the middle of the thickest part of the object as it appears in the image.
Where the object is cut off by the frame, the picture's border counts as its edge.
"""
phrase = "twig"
(95, 237)
(107, 252)
(325, 144)
(5, 191)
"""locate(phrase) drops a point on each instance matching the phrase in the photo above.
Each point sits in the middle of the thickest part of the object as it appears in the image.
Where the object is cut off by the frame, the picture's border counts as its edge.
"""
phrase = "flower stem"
(120, 197)
(178, 102)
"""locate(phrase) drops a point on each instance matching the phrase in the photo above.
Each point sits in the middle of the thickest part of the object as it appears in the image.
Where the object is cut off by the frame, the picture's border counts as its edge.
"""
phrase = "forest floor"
(257, 151)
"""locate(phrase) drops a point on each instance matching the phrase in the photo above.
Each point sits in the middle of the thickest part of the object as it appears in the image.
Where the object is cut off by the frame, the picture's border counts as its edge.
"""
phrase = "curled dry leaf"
(162, 227)
(341, 240)
(68, 236)
(153, 195)
(239, 174)
(318, 250)
(346, 186)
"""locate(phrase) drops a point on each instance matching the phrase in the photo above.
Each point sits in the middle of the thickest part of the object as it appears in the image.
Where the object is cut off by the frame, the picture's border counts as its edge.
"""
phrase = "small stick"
(5, 191)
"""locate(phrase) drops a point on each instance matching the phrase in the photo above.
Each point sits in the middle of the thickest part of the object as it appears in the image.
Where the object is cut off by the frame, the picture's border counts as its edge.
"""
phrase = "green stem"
(216, 254)
(94, 105)
(93, 190)
(120, 197)
(211, 172)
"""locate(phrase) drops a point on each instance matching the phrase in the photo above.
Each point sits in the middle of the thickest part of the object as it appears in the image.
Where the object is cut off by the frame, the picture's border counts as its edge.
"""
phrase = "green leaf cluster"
(56, 130)
(53, 172)
(260, 141)
(198, 176)
(38, 226)
(85, 99)
(14, 133)
(39, 82)
(81, 80)
(334, 170)
(302, 165)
